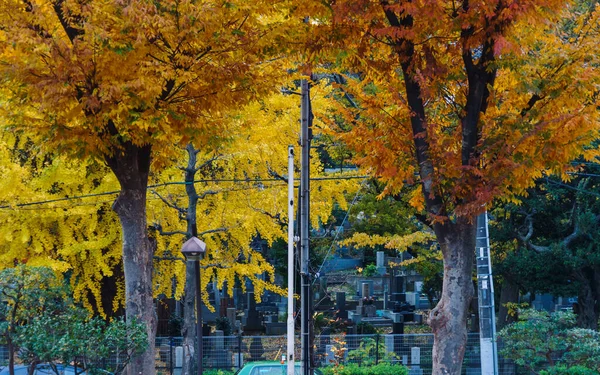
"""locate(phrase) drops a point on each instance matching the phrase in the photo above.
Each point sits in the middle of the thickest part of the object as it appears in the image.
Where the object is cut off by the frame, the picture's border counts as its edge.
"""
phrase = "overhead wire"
(338, 231)
(114, 192)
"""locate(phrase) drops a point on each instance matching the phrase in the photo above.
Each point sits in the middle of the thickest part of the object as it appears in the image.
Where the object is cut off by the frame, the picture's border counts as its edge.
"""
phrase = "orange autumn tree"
(468, 101)
(125, 81)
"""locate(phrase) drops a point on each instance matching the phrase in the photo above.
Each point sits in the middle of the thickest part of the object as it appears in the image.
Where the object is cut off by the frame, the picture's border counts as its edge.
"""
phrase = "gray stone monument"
(381, 270)
(340, 305)
(415, 361)
(365, 290)
(253, 322)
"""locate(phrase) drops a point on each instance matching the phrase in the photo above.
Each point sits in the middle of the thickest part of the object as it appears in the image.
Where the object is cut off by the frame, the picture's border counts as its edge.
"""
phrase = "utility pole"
(290, 309)
(305, 139)
(485, 288)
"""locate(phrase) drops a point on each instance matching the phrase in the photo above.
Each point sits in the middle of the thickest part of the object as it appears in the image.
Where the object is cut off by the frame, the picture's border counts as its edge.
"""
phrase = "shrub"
(383, 368)
(368, 350)
(370, 270)
(563, 370)
(217, 372)
(542, 339)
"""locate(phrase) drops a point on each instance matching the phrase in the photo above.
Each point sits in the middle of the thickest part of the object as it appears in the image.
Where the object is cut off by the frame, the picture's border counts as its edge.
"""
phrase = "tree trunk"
(448, 319)
(11, 355)
(587, 315)
(508, 294)
(131, 165)
(188, 330)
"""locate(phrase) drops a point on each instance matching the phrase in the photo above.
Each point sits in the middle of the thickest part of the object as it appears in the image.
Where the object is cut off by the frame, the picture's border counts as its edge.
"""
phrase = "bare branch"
(274, 174)
(526, 238)
(211, 192)
(157, 227)
(276, 217)
(71, 31)
(171, 204)
(565, 243)
(208, 162)
(216, 230)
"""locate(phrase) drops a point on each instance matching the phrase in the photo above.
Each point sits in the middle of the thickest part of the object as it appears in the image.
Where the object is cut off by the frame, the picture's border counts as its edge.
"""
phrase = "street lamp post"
(193, 250)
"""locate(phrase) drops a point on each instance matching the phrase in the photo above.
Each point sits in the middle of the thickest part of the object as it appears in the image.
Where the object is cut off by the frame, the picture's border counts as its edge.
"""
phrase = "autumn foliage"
(466, 101)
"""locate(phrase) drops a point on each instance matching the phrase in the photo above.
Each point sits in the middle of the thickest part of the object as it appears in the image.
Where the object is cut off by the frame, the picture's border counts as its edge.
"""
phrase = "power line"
(338, 231)
(233, 180)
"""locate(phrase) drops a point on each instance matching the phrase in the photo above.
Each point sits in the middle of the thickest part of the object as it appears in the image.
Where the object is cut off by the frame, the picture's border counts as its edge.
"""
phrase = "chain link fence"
(412, 350)
(232, 352)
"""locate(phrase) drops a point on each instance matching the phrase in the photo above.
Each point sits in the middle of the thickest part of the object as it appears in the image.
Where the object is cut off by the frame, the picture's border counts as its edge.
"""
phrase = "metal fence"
(231, 352)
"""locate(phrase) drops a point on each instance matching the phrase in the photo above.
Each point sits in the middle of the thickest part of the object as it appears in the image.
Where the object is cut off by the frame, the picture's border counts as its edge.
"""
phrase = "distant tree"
(557, 251)
(45, 224)
(70, 336)
(27, 293)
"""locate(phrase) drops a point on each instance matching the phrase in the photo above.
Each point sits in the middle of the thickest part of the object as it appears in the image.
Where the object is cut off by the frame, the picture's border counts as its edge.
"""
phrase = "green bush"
(383, 368)
(541, 339)
(563, 370)
(217, 372)
(369, 350)
(370, 270)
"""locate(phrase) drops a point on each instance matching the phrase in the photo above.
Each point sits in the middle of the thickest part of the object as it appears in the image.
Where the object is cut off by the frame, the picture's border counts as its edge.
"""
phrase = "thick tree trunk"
(449, 318)
(508, 294)
(131, 167)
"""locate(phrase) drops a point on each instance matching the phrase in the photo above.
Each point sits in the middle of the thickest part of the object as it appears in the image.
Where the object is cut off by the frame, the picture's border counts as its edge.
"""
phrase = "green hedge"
(354, 369)
(563, 370)
(217, 372)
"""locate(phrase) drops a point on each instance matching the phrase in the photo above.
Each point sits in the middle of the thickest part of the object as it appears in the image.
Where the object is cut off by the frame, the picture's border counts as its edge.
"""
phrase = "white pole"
(290, 310)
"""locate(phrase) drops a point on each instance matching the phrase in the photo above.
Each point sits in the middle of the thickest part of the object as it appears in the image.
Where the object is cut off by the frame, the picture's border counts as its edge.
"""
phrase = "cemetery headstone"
(253, 322)
(340, 305)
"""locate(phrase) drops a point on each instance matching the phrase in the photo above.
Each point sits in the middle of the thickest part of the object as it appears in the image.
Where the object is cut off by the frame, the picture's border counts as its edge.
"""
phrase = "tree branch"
(405, 50)
(275, 217)
(157, 227)
(216, 230)
(208, 162)
(171, 204)
(72, 32)
(526, 239)
(274, 174)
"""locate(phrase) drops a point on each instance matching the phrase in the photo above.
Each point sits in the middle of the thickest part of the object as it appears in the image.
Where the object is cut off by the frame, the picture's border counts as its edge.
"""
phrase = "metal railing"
(232, 352)
(412, 350)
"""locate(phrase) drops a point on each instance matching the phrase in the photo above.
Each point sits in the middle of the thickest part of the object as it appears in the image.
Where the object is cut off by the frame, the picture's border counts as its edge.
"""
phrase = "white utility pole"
(290, 309)
(485, 288)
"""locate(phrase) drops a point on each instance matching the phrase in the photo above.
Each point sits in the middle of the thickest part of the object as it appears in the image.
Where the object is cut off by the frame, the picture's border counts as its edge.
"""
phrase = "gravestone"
(360, 287)
(220, 356)
(397, 290)
(415, 361)
(365, 289)
(340, 305)
(253, 322)
(231, 314)
(381, 270)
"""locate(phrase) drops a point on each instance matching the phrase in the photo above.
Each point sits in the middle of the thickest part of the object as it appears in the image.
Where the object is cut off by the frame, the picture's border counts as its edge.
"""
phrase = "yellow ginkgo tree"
(125, 81)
